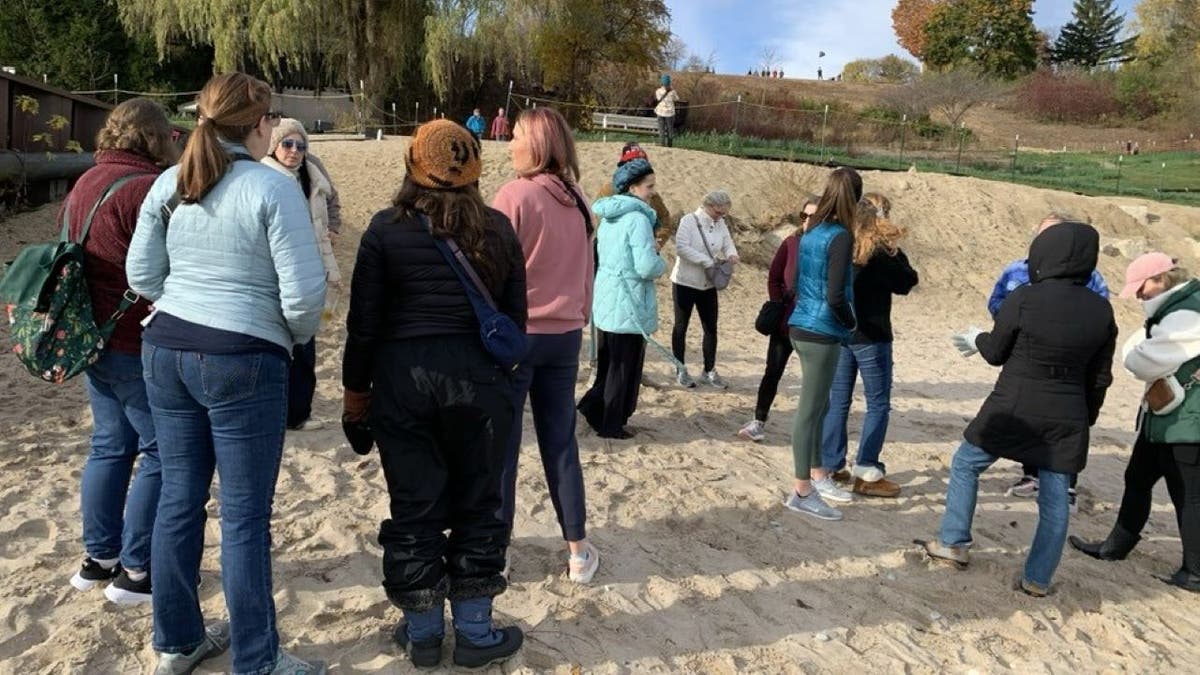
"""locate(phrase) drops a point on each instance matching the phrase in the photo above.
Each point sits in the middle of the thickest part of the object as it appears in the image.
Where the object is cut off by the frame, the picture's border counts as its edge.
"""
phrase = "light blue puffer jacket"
(624, 300)
(243, 259)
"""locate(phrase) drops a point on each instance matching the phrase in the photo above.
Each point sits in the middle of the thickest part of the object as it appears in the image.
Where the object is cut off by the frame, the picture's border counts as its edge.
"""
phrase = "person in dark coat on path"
(1055, 341)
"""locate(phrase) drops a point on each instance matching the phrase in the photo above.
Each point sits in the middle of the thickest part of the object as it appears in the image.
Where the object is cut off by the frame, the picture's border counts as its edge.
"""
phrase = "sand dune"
(703, 570)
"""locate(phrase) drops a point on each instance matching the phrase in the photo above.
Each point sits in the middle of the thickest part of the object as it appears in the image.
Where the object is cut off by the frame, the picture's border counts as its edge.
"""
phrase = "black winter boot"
(1182, 579)
(1118, 544)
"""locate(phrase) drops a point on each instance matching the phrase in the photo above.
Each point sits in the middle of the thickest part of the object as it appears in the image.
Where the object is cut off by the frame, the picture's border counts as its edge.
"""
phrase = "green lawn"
(1164, 176)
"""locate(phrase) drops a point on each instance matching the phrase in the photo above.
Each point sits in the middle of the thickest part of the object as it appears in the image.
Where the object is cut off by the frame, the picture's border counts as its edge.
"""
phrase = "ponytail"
(230, 107)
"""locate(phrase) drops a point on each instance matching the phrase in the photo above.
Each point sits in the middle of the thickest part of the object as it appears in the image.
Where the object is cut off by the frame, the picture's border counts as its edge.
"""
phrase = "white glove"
(965, 341)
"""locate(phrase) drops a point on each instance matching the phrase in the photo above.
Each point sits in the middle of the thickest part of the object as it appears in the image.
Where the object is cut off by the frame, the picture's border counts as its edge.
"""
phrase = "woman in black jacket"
(881, 270)
(1055, 340)
(437, 404)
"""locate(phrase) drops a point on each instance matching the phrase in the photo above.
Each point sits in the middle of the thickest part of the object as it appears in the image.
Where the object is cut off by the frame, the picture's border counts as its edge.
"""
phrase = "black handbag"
(769, 317)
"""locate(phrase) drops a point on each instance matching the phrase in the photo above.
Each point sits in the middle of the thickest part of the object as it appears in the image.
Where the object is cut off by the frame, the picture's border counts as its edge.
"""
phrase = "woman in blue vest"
(1166, 356)
(820, 324)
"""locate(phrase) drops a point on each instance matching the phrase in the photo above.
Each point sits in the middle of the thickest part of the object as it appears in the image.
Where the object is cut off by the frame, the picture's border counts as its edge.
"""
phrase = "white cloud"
(844, 31)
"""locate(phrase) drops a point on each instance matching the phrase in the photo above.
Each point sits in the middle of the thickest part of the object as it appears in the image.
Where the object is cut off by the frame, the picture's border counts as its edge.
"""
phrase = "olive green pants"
(818, 362)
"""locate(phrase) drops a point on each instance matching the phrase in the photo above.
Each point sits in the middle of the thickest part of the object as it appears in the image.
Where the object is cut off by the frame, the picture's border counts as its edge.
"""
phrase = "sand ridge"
(702, 568)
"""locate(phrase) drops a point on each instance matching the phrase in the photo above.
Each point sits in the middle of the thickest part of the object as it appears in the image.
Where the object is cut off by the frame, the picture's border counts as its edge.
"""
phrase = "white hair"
(717, 198)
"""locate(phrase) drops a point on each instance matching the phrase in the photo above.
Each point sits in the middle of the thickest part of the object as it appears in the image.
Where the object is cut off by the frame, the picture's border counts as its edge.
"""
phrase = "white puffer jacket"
(1173, 341)
(691, 255)
(318, 208)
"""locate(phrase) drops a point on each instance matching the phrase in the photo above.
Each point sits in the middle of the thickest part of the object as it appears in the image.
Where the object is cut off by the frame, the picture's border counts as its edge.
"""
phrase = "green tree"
(890, 68)
(1168, 29)
(996, 36)
(1090, 38)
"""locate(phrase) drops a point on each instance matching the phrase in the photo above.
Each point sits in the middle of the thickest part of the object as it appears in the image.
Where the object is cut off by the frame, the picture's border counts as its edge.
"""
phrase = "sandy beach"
(703, 570)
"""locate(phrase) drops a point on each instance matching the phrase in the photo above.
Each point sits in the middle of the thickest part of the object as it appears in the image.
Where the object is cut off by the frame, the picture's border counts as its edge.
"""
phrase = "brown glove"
(355, 405)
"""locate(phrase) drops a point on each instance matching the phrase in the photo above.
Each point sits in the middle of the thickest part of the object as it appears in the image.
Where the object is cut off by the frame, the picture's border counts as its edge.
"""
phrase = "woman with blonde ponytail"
(225, 250)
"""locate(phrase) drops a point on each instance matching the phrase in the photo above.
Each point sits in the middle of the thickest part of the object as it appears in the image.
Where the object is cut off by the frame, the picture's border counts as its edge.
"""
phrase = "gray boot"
(1118, 544)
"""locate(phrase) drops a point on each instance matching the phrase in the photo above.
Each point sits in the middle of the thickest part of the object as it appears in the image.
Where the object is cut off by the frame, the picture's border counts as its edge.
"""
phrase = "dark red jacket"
(108, 239)
(781, 279)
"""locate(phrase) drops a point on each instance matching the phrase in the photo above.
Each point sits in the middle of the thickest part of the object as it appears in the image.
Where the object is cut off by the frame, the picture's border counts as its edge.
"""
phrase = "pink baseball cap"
(1144, 267)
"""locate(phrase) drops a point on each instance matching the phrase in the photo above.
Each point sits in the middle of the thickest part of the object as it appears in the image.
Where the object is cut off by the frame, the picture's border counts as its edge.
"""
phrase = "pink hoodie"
(558, 251)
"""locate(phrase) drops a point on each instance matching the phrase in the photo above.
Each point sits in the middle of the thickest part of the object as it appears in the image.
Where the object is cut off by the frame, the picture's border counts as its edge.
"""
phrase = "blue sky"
(737, 31)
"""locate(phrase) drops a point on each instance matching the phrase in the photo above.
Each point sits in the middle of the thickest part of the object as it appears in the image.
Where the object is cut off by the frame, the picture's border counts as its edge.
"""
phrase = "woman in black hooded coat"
(1055, 340)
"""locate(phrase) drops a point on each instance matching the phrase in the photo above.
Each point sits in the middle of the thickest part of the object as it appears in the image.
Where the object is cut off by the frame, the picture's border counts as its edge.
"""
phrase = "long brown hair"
(459, 213)
(873, 230)
(839, 202)
(230, 106)
(140, 126)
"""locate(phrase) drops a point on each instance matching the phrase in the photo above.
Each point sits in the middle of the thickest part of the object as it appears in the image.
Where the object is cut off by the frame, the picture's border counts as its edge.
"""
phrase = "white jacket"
(318, 208)
(666, 102)
(1173, 342)
(692, 257)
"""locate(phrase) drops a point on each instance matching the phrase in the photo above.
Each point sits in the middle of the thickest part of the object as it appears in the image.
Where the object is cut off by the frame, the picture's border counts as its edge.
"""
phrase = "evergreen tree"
(1090, 39)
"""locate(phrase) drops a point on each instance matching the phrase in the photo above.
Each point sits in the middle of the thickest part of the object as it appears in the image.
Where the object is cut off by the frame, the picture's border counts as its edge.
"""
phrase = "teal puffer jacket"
(624, 299)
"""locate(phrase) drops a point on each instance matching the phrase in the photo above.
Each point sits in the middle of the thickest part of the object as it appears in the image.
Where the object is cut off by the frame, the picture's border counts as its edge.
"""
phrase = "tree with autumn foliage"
(908, 20)
(995, 36)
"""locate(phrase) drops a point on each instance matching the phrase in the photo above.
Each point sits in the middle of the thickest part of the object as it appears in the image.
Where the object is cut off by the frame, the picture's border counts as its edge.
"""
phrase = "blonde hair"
(873, 230)
(140, 126)
(1174, 277)
(551, 145)
(230, 107)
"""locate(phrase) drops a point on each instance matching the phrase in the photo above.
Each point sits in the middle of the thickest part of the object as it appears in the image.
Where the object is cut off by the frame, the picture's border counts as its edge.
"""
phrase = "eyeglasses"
(273, 117)
(298, 146)
(808, 215)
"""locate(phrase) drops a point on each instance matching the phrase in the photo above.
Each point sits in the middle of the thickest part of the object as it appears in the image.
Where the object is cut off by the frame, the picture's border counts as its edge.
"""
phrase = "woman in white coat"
(288, 154)
(701, 242)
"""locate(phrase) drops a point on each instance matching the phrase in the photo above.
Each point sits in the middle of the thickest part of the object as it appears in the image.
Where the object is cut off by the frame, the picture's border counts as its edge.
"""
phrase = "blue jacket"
(244, 259)
(477, 124)
(1016, 275)
(813, 312)
(624, 300)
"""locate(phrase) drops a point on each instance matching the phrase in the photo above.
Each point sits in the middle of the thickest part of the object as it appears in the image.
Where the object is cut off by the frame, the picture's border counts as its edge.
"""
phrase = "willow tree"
(467, 41)
(376, 43)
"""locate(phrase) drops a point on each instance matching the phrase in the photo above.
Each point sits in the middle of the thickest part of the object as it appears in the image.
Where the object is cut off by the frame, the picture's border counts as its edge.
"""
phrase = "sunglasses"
(289, 144)
(273, 117)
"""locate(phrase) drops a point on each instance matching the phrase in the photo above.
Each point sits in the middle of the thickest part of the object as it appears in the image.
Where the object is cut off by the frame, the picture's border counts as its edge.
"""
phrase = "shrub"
(1070, 96)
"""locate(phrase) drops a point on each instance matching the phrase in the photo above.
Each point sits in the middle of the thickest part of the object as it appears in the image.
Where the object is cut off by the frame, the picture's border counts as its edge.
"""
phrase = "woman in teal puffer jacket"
(624, 305)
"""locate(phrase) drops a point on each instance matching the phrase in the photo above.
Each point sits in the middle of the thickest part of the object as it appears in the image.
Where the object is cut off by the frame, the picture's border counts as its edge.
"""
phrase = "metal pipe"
(35, 167)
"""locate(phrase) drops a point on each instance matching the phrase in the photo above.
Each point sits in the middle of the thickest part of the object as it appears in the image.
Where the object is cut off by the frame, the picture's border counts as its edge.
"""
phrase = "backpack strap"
(168, 208)
(87, 223)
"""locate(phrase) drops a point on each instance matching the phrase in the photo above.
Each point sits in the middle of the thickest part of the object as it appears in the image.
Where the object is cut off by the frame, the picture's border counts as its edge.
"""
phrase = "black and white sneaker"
(91, 573)
(125, 591)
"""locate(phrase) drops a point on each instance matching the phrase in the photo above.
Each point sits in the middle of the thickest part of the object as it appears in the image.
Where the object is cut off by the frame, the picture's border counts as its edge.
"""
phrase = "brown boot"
(842, 476)
(880, 488)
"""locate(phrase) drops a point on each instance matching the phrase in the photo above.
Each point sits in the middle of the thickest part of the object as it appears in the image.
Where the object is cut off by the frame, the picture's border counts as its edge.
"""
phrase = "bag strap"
(168, 208)
(703, 238)
(87, 223)
(463, 269)
(128, 299)
(583, 210)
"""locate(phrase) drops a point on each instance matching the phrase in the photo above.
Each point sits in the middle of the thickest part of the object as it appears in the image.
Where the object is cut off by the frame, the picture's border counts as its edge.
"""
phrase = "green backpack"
(49, 309)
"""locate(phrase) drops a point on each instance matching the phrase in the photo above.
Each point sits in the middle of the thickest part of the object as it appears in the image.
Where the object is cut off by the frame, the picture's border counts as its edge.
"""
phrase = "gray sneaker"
(216, 641)
(287, 664)
(684, 379)
(812, 505)
(712, 379)
(830, 490)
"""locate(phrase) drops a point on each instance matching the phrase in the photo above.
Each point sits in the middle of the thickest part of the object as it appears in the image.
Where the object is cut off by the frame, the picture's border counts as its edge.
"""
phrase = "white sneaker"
(711, 378)
(753, 431)
(309, 424)
(581, 569)
(830, 490)
(868, 474)
(684, 379)
(812, 505)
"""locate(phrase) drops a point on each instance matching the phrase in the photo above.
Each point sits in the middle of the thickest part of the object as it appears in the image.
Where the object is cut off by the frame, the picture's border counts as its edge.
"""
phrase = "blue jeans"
(118, 517)
(547, 376)
(224, 412)
(1054, 511)
(874, 363)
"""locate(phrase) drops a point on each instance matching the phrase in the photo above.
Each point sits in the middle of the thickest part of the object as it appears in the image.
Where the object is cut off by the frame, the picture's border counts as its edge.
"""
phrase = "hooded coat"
(625, 300)
(1055, 341)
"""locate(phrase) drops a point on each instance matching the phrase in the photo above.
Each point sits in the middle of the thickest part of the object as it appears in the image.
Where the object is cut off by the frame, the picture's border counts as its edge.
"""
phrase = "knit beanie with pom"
(287, 127)
(443, 155)
(629, 174)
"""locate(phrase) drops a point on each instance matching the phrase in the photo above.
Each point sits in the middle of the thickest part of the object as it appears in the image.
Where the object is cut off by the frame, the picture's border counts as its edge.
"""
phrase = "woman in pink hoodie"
(549, 212)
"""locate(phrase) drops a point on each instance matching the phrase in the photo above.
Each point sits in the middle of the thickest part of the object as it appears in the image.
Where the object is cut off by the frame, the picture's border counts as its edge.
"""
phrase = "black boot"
(423, 654)
(1118, 544)
(470, 656)
(1182, 579)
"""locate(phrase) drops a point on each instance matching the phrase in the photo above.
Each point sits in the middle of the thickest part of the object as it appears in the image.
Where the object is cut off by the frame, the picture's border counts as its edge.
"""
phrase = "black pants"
(1031, 470)
(705, 303)
(612, 399)
(302, 383)
(779, 350)
(441, 412)
(1178, 464)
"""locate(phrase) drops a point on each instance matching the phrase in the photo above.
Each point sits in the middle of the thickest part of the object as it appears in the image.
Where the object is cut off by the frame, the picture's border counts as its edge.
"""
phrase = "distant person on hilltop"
(665, 110)
(819, 73)
(477, 124)
(1013, 277)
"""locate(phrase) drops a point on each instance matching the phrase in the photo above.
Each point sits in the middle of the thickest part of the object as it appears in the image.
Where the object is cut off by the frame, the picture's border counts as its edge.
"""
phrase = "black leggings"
(779, 350)
(1178, 465)
(705, 303)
